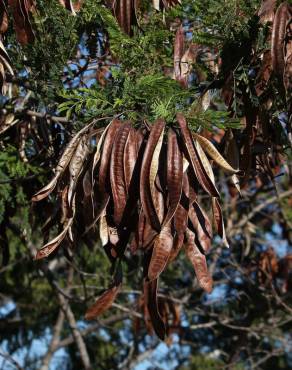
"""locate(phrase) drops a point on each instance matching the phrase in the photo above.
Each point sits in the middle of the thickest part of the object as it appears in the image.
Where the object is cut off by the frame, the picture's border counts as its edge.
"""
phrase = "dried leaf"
(103, 303)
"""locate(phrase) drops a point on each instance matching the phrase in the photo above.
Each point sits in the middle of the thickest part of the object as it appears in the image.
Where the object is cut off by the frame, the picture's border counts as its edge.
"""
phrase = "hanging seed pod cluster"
(140, 190)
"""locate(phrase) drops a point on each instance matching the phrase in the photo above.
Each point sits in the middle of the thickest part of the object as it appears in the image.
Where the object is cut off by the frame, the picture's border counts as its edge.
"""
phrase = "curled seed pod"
(198, 261)
(103, 303)
(195, 162)
(215, 155)
(145, 192)
(60, 168)
(48, 248)
(205, 162)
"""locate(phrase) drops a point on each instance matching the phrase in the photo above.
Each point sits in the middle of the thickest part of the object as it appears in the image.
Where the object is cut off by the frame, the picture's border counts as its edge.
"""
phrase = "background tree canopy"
(189, 84)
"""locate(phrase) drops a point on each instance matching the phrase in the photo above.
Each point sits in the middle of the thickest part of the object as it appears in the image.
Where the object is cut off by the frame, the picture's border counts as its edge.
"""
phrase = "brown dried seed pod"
(21, 20)
(180, 219)
(218, 220)
(202, 226)
(130, 157)
(145, 192)
(283, 14)
(179, 46)
(47, 249)
(215, 155)
(150, 296)
(193, 157)
(267, 11)
(198, 261)
(117, 177)
(161, 252)
(103, 303)
(76, 165)
(174, 175)
(4, 58)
